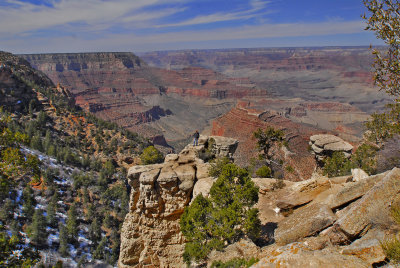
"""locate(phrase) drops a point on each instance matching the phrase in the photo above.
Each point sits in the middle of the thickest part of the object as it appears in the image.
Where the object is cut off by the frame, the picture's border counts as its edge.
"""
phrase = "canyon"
(166, 96)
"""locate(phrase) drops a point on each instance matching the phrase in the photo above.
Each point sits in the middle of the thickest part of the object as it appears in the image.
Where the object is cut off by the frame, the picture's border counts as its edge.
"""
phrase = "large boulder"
(299, 255)
(305, 221)
(368, 247)
(373, 205)
(243, 249)
(353, 190)
(324, 145)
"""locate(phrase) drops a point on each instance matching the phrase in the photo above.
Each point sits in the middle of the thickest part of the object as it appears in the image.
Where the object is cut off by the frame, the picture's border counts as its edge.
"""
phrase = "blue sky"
(40, 26)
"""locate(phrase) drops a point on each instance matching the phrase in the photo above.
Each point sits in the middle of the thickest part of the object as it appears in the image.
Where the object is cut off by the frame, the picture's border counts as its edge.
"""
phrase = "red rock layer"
(241, 123)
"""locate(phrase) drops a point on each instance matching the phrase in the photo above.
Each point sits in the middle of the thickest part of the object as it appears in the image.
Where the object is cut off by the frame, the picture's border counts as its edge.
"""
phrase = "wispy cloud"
(19, 17)
(134, 42)
(143, 25)
(255, 7)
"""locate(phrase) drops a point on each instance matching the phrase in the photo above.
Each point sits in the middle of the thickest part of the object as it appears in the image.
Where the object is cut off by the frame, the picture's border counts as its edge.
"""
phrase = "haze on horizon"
(50, 26)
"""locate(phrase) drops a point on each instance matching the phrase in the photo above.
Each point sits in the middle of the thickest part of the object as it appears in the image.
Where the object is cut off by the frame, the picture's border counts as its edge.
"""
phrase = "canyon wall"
(155, 102)
(340, 74)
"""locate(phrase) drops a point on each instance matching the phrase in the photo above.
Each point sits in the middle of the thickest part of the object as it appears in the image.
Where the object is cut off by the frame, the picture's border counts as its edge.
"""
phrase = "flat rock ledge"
(324, 145)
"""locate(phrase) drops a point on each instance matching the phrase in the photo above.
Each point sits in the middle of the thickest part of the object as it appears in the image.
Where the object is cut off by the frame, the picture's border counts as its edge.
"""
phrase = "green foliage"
(151, 155)
(234, 263)
(289, 169)
(63, 249)
(100, 251)
(337, 165)
(224, 217)
(383, 20)
(72, 224)
(365, 158)
(267, 138)
(263, 172)
(28, 202)
(37, 230)
(217, 165)
(391, 247)
(52, 210)
(8, 245)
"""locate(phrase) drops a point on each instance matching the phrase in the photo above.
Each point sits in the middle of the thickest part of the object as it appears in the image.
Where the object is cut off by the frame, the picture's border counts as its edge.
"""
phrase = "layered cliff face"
(151, 234)
(17, 79)
(154, 102)
(319, 74)
(240, 123)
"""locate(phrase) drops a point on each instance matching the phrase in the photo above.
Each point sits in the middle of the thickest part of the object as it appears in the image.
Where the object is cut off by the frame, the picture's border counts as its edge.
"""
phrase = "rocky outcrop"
(304, 222)
(241, 122)
(299, 255)
(373, 205)
(324, 145)
(160, 192)
(342, 217)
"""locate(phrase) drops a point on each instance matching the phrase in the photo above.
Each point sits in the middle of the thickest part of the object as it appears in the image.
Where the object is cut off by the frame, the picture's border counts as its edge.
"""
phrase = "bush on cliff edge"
(151, 155)
(224, 217)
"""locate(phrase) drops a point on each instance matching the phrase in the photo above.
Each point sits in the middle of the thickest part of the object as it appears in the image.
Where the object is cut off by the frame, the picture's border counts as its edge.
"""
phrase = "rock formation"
(120, 87)
(312, 74)
(324, 145)
(160, 192)
(321, 222)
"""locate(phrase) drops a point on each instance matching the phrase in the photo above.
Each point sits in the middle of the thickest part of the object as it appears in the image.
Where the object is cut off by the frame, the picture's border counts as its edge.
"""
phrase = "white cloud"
(123, 42)
(20, 17)
(256, 7)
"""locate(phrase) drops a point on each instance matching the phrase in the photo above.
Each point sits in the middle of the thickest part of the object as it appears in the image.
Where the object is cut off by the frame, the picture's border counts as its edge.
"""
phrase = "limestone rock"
(203, 187)
(303, 193)
(202, 170)
(358, 174)
(244, 248)
(298, 255)
(374, 203)
(186, 176)
(368, 247)
(325, 144)
(171, 157)
(305, 221)
(224, 147)
(353, 190)
(151, 234)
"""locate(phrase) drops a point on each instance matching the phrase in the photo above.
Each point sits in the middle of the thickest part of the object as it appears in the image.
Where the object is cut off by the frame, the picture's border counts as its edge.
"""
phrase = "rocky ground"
(317, 222)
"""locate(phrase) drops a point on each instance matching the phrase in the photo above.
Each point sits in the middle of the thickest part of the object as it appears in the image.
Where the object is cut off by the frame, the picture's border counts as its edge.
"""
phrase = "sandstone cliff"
(319, 74)
(159, 194)
(121, 88)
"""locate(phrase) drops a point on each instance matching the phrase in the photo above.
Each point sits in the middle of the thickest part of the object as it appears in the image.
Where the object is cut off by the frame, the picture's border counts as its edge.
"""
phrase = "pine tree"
(47, 141)
(95, 232)
(100, 252)
(28, 202)
(115, 249)
(72, 224)
(37, 230)
(63, 249)
(6, 211)
(52, 210)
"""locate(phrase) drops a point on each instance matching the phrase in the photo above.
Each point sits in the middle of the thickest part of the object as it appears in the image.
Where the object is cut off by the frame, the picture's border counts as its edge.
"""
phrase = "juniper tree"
(224, 217)
(383, 18)
(267, 138)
